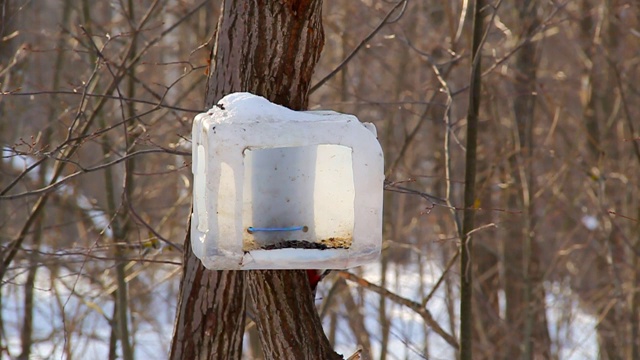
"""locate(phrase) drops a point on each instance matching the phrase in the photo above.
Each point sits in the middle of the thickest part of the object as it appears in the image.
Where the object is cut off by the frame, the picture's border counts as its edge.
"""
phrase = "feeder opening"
(298, 197)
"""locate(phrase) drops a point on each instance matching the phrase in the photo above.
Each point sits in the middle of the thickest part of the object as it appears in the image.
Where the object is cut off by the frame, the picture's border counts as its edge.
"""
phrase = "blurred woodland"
(95, 177)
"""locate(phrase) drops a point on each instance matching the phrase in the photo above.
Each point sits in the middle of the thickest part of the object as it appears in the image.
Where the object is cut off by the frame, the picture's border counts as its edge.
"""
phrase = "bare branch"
(60, 182)
(111, 97)
(416, 307)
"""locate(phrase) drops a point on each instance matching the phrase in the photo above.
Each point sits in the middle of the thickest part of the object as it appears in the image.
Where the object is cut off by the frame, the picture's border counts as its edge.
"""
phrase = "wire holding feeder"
(252, 229)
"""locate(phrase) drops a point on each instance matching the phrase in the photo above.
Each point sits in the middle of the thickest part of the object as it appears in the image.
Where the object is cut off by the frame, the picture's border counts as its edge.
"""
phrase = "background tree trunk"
(524, 290)
(466, 254)
(269, 49)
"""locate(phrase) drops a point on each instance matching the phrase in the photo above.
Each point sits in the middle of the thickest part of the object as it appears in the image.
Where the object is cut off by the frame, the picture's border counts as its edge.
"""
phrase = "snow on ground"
(85, 307)
(574, 329)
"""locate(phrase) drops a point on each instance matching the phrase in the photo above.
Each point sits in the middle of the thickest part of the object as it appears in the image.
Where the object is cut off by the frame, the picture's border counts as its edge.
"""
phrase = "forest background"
(95, 120)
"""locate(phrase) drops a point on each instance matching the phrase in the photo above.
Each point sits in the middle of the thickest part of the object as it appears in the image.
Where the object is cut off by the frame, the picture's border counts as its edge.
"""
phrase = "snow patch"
(243, 107)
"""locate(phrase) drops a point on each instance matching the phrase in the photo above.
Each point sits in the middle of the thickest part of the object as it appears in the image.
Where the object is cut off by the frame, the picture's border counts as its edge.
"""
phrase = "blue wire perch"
(252, 229)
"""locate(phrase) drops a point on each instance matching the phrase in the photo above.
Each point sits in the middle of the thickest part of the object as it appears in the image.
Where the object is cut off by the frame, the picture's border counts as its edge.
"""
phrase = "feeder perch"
(281, 189)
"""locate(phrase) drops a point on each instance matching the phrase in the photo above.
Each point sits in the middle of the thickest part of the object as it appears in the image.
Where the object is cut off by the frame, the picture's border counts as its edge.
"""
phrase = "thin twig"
(112, 97)
(60, 182)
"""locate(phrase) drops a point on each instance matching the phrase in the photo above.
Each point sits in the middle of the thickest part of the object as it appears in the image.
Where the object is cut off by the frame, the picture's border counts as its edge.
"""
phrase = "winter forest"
(96, 107)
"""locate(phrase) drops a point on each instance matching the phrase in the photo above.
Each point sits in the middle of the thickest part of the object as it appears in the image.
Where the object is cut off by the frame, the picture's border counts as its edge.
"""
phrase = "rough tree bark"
(210, 316)
(269, 48)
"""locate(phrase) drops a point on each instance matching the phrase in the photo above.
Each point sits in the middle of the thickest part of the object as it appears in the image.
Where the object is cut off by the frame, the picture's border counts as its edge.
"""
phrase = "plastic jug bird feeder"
(281, 189)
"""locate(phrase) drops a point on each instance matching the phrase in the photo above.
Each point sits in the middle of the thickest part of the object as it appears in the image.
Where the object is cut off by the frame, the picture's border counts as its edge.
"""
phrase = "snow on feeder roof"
(281, 189)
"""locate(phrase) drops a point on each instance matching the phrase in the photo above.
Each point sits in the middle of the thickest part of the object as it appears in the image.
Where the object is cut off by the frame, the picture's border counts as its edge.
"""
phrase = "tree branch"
(415, 306)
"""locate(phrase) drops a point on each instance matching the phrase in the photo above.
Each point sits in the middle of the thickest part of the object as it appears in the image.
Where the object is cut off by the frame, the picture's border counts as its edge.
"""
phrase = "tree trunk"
(288, 322)
(268, 48)
(601, 43)
(210, 317)
(524, 289)
(466, 254)
(488, 333)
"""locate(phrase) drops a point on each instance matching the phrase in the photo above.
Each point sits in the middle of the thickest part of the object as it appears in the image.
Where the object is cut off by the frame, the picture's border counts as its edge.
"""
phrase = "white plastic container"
(280, 189)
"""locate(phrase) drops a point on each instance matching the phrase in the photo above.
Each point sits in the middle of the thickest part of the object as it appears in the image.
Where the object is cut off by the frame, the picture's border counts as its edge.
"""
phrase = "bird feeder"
(281, 189)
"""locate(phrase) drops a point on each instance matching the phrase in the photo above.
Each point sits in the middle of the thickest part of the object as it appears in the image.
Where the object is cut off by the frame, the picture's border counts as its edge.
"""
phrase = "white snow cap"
(244, 107)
